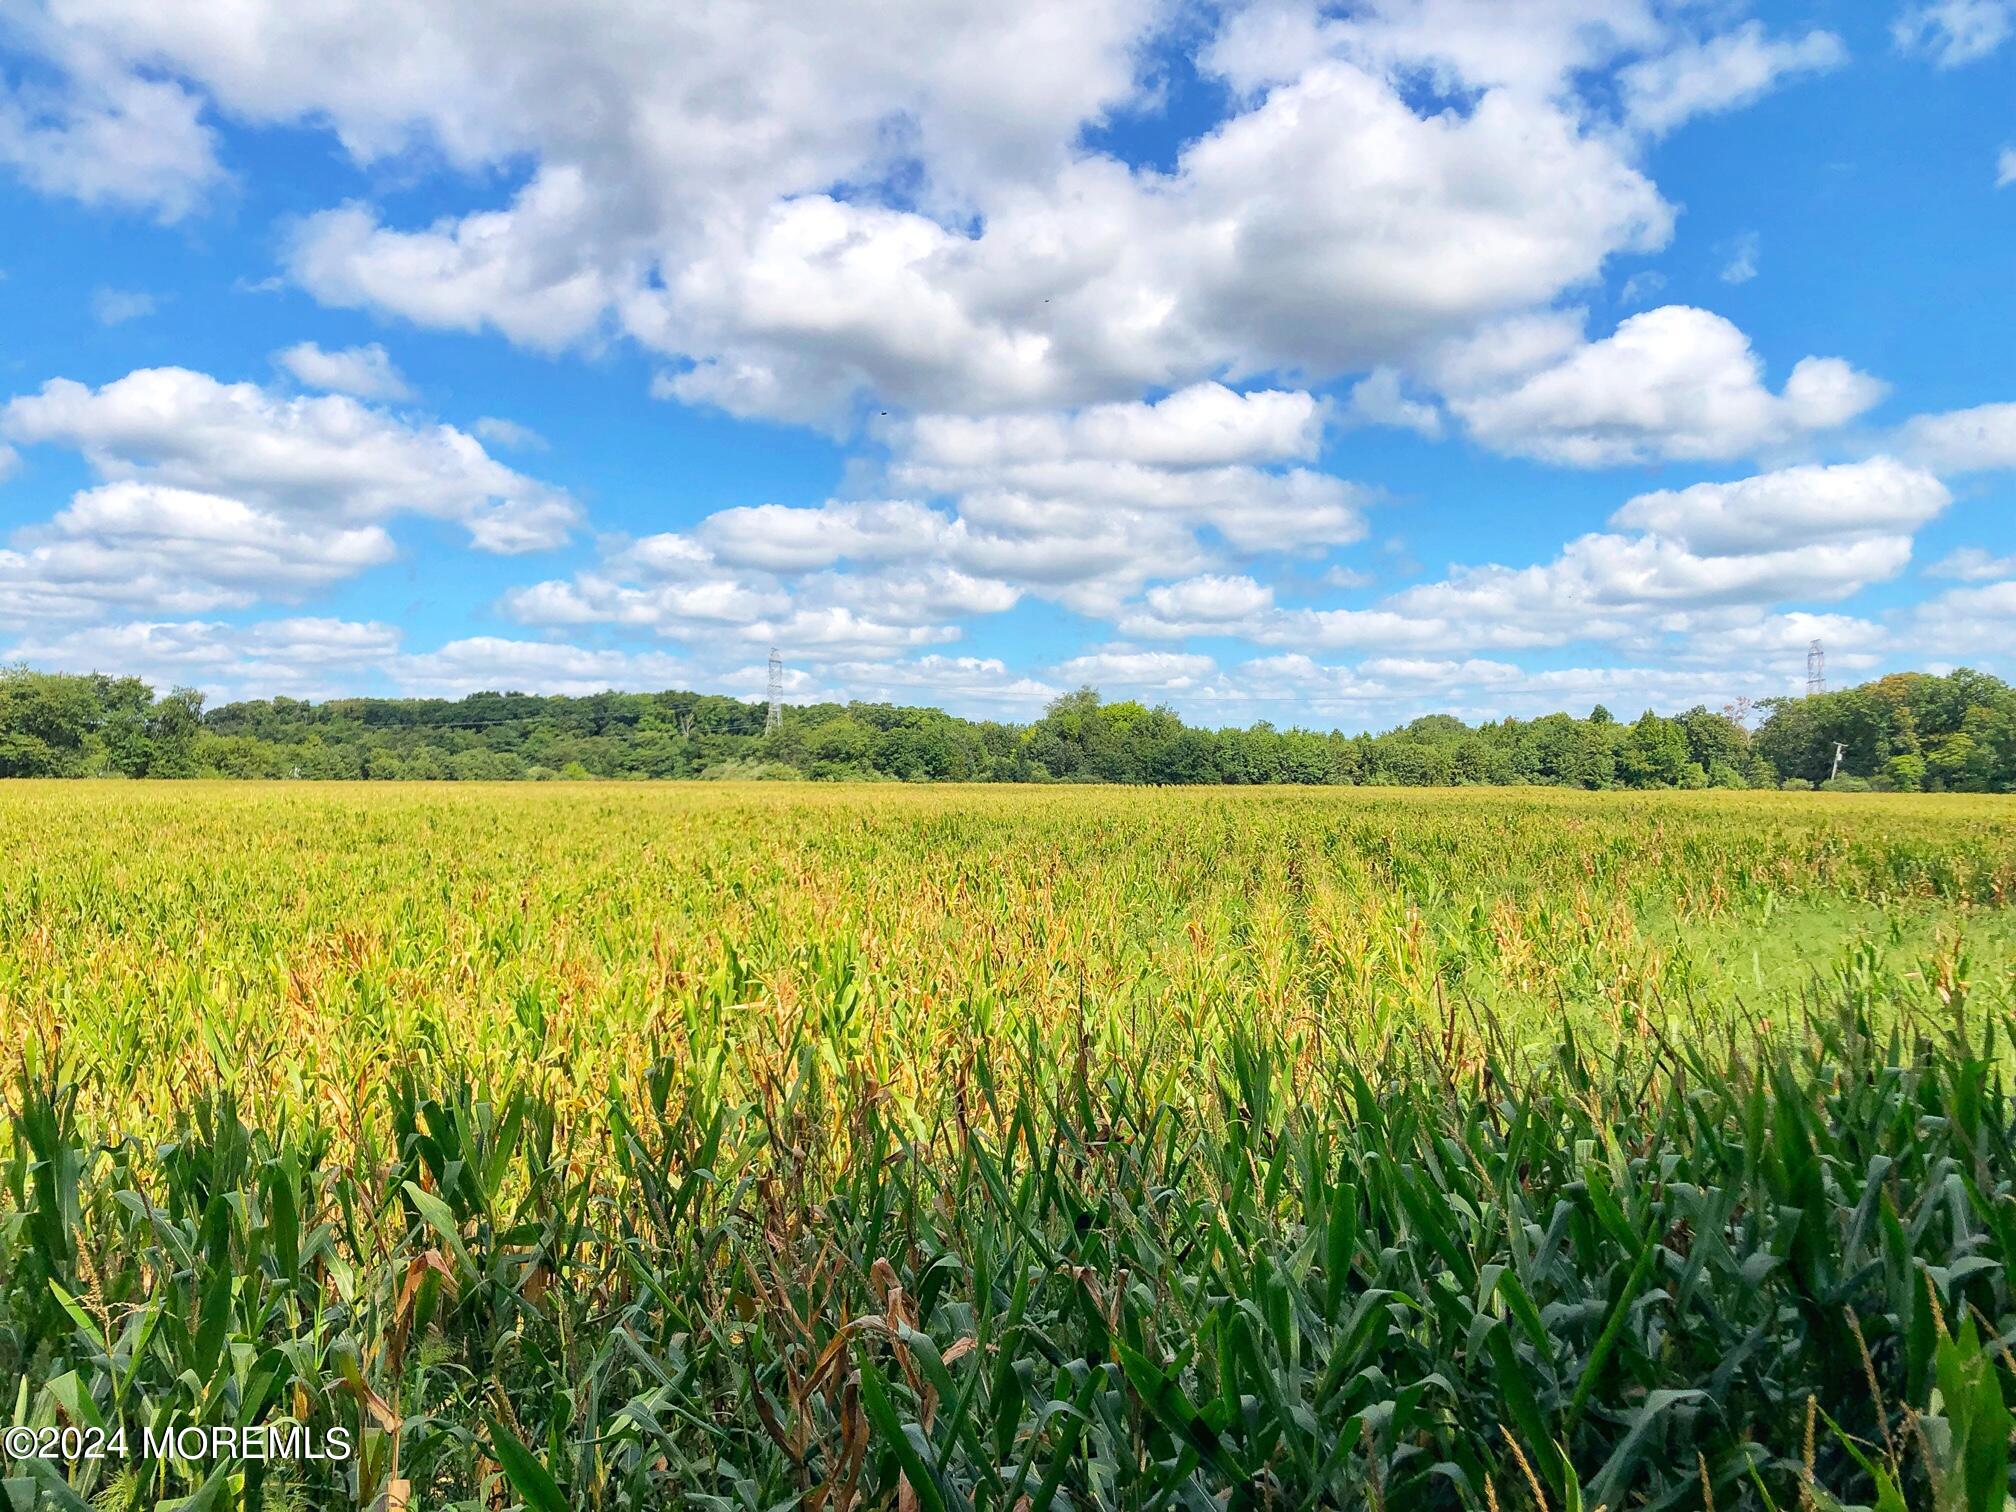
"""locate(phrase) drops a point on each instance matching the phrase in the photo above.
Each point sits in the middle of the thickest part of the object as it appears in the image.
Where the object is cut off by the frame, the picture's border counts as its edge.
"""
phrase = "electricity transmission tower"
(1816, 669)
(773, 721)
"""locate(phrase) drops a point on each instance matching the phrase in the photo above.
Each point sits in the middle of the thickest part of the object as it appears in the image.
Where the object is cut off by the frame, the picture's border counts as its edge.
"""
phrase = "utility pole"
(1839, 749)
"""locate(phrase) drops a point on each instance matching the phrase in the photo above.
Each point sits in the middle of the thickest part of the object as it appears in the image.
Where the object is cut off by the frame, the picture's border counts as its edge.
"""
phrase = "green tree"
(1187, 756)
(1992, 767)
(172, 734)
(841, 745)
(1950, 763)
(1906, 773)
(1654, 754)
(46, 721)
(123, 724)
(1714, 739)
(1793, 737)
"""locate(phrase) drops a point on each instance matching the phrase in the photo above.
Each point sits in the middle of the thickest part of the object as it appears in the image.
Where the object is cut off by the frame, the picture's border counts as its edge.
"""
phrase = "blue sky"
(1324, 364)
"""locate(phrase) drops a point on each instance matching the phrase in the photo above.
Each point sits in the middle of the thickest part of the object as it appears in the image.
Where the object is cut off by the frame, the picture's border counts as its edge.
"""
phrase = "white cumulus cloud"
(1971, 440)
(173, 550)
(1790, 507)
(326, 458)
(363, 371)
(1675, 382)
(305, 657)
(1970, 564)
(1721, 73)
(1953, 32)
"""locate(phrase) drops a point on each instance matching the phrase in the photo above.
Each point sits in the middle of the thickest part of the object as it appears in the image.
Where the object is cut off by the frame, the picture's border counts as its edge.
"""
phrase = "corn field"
(846, 1148)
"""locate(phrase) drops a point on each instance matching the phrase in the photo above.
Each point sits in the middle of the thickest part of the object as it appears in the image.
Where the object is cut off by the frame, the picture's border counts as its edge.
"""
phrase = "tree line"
(1908, 732)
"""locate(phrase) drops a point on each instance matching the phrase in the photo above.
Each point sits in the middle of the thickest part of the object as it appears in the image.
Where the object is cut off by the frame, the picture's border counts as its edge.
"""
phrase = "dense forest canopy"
(1908, 732)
